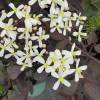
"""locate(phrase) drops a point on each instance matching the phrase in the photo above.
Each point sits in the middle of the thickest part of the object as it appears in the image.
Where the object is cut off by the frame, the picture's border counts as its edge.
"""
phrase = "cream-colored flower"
(79, 18)
(16, 10)
(46, 65)
(61, 79)
(71, 54)
(7, 45)
(8, 29)
(41, 36)
(80, 34)
(39, 56)
(79, 70)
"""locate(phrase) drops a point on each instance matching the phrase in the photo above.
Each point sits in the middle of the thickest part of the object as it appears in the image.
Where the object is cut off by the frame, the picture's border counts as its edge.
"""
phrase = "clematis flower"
(79, 18)
(40, 37)
(15, 10)
(25, 33)
(57, 27)
(61, 79)
(80, 34)
(26, 58)
(8, 45)
(55, 56)
(8, 29)
(45, 65)
(36, 19)
(71, 54)
(11, 54)
(79, 70)
(39, 56)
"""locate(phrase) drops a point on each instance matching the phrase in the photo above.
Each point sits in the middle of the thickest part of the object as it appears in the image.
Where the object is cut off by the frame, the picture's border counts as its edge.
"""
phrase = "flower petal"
(56, 85)
(66, 83)
(40, 69)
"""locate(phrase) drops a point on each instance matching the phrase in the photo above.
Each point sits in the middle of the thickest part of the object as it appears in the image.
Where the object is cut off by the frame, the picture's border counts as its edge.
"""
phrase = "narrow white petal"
(56, 85)
(10, 22)
(78, 52)
(70, 60)
(54, 74)
(11, 5)
(31, 2)
(40, 69)
(2, 53)
(79, 38)
(76, 77)
(10, 14)
(68, 72)
(77, 23)
(39, 59)
(19, 14)
(8, 56)
(77, 62)
(20, 6)
(75, 33)
(83, 67)
(3, 33)
(66, 83)
(58, 53)
(73, 47)
(52, 30)
(80, 28)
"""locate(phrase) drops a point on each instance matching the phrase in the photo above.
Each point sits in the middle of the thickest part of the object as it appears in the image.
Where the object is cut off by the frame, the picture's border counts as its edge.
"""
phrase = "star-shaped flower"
(80, 34)
(16, 10)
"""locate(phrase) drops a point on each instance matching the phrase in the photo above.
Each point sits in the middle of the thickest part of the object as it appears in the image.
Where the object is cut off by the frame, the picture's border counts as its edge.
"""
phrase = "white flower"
(51, 18)
(25, 33)
(36, 19)
(39, 56)
(55, 56)
(79, 70)
(71, 54)
(26, 57)
(79, 18)
(8, 45)
(46, 66)
(57, 27)
(11, 54)
(61, 79)
(17, 10)
(8, 29)
(80, 34)
(40, 37)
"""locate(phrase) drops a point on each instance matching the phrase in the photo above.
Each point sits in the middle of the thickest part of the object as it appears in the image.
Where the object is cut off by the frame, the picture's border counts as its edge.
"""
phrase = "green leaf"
(38, 89)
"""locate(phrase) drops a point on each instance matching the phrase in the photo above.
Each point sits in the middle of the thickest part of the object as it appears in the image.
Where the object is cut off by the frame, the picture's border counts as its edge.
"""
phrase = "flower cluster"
(59, 65)
(27, 42)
